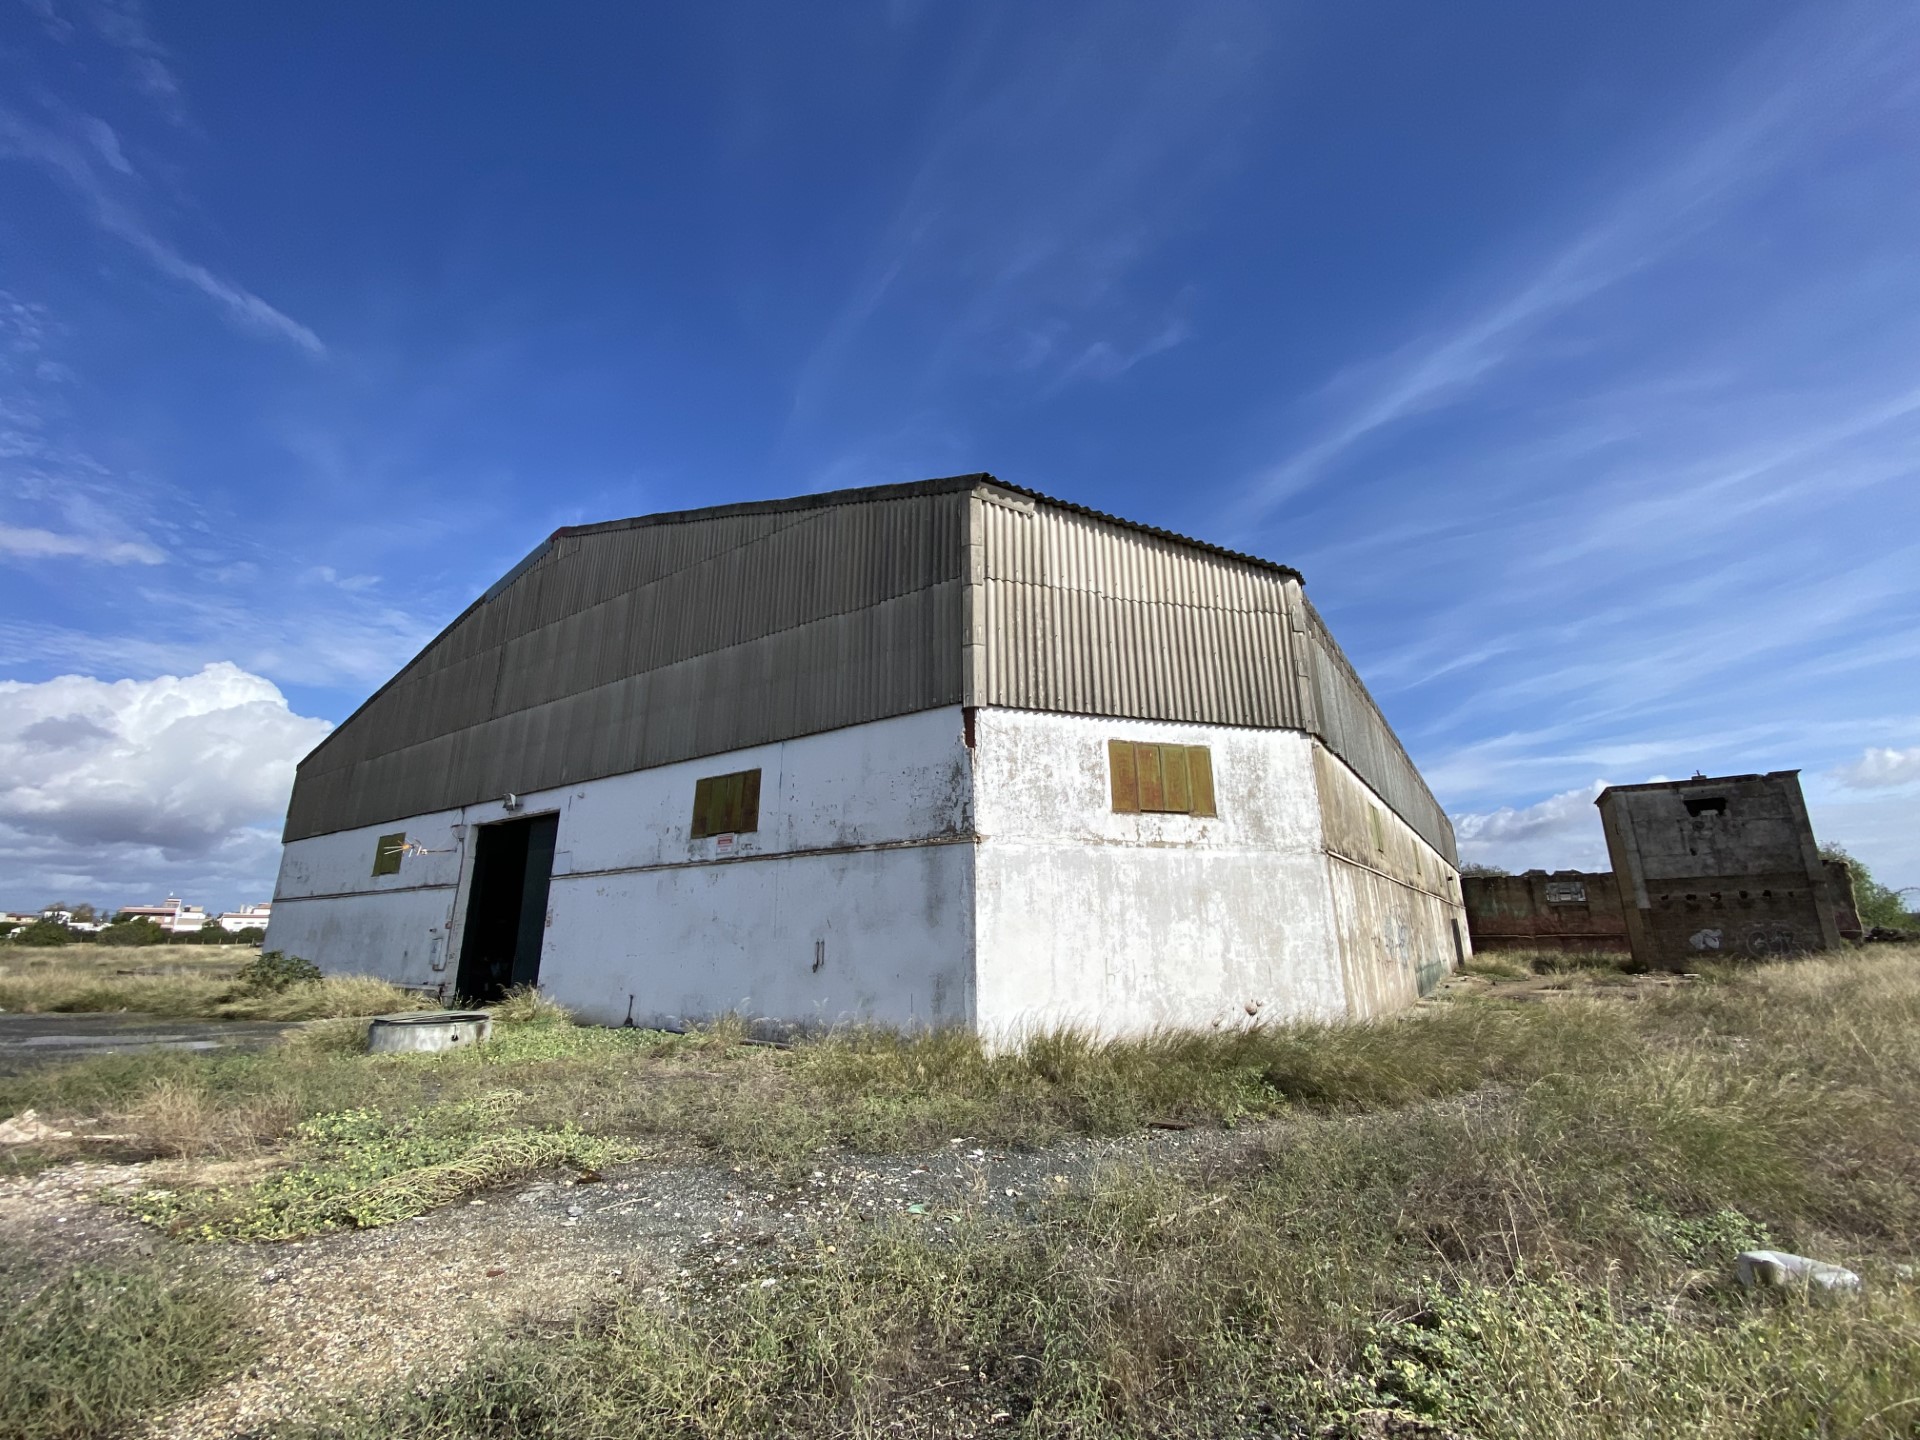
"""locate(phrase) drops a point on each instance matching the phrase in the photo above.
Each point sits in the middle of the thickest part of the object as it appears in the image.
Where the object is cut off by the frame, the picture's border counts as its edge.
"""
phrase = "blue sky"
(1571, 352)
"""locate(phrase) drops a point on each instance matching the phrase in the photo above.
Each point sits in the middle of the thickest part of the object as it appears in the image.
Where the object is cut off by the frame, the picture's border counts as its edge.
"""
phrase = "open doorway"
(506, 907)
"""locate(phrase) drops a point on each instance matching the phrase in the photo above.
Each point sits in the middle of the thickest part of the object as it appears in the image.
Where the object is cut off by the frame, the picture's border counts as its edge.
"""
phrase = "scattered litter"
(27, 1127)
(1777, 1267)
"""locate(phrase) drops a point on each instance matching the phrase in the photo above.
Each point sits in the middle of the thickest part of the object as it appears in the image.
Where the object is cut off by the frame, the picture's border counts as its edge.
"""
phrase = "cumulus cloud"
(1561, 832)
(176, 781)
(1879, 768)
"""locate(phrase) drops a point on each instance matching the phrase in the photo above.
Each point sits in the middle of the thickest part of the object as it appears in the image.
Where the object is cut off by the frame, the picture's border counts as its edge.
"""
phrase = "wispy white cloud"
(1784, 100)
(1108, 360)
(67, 157)
(1032, 253)
(1692, 549)
(55, 25)
(31, 544)
(353, 584)
(123, 25)
(107, 142)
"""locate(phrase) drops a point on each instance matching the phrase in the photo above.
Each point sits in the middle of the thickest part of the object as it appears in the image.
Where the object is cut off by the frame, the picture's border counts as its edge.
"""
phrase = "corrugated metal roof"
(622, 647)
(946, 485)
(619, 646)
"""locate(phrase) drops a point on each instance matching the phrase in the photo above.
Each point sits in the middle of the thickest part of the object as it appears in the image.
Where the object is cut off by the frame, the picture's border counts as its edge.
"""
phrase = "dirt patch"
(354, 1311)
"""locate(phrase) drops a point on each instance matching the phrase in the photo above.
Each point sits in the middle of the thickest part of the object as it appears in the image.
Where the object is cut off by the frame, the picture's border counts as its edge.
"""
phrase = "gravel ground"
(354, 1311)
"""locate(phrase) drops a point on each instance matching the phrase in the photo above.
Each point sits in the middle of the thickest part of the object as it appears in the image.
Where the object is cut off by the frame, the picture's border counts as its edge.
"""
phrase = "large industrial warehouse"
(945, 753)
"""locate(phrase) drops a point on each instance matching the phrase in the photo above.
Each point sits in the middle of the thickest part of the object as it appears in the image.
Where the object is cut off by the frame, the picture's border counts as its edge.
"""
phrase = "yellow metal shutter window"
(387, 851)
(1160, 779)
(1126, 781)
(1200, 776)
(726, 804)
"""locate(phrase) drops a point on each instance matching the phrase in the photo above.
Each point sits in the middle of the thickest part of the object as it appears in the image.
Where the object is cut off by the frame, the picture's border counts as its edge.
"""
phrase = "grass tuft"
(92, 1351)
(524, 1005)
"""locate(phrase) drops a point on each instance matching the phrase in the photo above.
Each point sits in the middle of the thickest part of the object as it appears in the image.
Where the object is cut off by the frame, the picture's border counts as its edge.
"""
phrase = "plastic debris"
(27, 1127)
(1777, 1267)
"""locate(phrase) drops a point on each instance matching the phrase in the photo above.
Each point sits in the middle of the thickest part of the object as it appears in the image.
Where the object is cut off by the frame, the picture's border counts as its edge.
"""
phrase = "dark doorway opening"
(506, 907)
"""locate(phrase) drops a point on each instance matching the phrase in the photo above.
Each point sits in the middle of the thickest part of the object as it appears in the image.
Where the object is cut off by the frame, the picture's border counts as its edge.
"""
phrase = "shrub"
(133, 932)
(43, 932)
(277, 970)
(1875, 903)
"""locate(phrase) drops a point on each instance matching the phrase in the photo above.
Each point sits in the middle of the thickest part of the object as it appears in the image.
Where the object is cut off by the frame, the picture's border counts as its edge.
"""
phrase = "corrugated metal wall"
(1089, 617)
(636, 645)
(1080, 614)
(640, 643)
(1355, 730)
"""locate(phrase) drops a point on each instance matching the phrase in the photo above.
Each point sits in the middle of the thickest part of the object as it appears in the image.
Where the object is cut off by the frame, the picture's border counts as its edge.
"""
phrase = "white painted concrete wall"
(1122, 923)
(329, 908)
(861, 847)
(897, 878)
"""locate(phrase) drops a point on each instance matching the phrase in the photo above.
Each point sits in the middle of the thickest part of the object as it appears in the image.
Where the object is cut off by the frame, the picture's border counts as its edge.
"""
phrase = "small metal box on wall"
(1718, 867)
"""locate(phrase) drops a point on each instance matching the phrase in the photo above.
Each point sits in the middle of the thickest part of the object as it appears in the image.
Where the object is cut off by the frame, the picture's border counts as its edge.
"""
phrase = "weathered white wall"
(861, 846)
(329, 908)
(1122, 923)
(1397, 909)
(886, 851)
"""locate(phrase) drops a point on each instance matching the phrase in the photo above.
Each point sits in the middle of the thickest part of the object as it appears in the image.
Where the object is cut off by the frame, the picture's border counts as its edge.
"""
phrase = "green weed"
(91, 1351)
(354, 1168)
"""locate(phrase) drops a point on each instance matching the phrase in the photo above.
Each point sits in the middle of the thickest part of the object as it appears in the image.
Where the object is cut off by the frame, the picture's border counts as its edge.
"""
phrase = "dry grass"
(177, 1119)
(1546, 1253)
(1506, 1217)
(1518, 964)
(177, 982)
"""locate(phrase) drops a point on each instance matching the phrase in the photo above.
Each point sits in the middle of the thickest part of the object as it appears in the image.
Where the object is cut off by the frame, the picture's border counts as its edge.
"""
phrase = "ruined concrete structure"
(1722, 866)
(941, 753)
(1571, 910)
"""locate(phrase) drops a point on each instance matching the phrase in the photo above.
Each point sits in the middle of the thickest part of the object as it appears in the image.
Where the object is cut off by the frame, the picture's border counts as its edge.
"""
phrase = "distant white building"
(247, 917)
(172, 915)
(65, 917)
